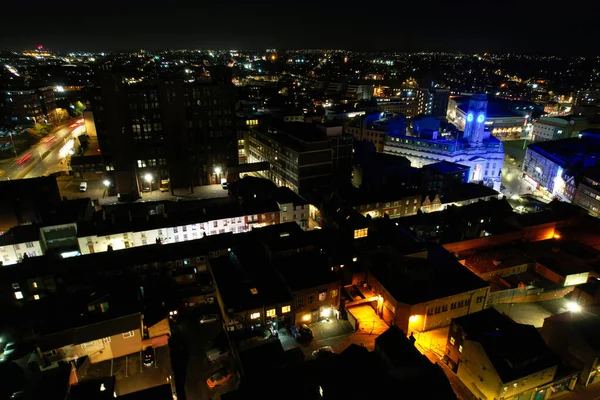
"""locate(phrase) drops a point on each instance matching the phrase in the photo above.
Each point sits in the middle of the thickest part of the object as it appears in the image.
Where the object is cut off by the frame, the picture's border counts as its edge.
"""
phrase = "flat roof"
(306, 270)
(496, 258)
(414, 280)
(563, 257)
(246, 282)
(447, 167)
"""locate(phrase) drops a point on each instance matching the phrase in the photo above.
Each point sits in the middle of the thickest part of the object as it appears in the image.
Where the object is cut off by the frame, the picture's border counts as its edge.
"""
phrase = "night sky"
(470, 26)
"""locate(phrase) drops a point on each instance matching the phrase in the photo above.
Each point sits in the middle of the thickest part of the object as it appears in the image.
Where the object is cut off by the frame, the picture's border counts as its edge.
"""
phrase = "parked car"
(216, 353)
(323, 350)
(219, 378)
(294, 332)
(9, 350)
(148, 356)
(83, 186)
(207, 319)
(224, 185)
(305, 332)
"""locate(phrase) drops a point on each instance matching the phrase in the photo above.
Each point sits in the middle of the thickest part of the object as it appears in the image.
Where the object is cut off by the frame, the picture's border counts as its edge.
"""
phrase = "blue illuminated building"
(548, 164)
(475, 147)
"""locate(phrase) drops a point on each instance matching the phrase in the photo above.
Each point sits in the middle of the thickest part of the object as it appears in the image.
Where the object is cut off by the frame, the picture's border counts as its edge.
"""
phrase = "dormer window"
(253, 291)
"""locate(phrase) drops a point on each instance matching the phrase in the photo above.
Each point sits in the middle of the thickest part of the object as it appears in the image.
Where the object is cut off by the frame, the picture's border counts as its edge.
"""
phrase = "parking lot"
(130, 373)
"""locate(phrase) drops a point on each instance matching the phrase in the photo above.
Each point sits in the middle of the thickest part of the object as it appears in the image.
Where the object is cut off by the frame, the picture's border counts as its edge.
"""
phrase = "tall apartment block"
(165, 130)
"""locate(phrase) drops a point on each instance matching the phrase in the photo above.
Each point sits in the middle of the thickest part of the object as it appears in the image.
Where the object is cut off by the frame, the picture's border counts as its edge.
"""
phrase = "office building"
(165, 129)
(28, 105)
(547, 164)
(432, 102)
(374, 128)
(587, 195)
(299, 154)
(476, 148)
(555, 128)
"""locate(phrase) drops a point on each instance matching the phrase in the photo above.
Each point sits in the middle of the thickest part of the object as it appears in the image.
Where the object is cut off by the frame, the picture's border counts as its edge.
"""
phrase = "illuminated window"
(271, 313)
(18, 295)
(460, 348)
(253, 290)
(35, 285)
(452, 341)
(285, 309)
(361, 233)
(255, 315)
(322, 296)
(36, 296)
(129, 334)
(333, 293)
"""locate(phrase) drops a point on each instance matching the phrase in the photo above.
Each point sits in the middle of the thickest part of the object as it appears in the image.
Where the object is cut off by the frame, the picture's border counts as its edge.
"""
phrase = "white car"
(9, 349)
(83, 186)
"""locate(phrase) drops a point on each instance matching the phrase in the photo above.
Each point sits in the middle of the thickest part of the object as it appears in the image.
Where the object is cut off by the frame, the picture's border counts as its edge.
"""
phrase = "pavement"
(45, 156)
(533, 313)
(130, 373)
(69, 188)
(189, 342)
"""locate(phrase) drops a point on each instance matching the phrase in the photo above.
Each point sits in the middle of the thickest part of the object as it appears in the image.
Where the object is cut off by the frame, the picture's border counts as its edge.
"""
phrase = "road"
(44, 157)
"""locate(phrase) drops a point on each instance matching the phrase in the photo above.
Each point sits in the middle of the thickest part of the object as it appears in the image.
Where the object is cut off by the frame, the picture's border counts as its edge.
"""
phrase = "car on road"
(148, 356)
(83, 186)
(9, 350)
(323, 350)
(207, 319)
(224, 185)
(219, 378)
(23, 159)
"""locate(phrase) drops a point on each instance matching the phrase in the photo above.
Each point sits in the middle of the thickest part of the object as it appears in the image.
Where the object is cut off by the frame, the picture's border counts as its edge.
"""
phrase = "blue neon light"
(480, 118)
(470, 117)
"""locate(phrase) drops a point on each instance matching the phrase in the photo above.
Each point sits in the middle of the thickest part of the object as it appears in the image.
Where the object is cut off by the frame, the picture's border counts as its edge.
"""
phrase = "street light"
(106, 182)
(148, 178)
(573, 307)
(217, 170)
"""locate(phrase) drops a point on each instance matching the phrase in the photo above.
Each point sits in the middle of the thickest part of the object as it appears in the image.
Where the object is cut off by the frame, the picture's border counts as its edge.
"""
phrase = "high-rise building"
(28, 105)
(165, 130)
(433, 102)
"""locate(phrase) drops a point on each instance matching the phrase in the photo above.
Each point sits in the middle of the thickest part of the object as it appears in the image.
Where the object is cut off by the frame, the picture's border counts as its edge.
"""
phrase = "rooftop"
(306, 270)
(562, 256)
(20, 234)
(466, 191)
(567, 152)
(496, 258)
(585, 323)
(413, 279)
(515, 350)
(246, 282)
(446, 167)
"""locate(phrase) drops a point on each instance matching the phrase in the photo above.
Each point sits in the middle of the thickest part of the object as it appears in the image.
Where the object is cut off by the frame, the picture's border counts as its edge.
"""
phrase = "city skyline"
(439, 26)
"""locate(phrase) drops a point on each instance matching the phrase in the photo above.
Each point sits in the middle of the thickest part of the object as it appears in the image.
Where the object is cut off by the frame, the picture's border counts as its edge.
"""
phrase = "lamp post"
(13, 143)
(106, 183)
(218, 174)
(148, 179)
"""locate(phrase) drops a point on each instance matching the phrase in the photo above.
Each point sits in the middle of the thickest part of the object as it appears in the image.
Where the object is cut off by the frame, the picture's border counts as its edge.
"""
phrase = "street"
(40, 159)
(189, 343)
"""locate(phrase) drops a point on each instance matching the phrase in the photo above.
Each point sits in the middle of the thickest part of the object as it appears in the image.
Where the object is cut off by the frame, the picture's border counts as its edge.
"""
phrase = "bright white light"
(148, 178)
(106, 182)
(217, 170)
(573, 307)
(102, 387)
(60, 89)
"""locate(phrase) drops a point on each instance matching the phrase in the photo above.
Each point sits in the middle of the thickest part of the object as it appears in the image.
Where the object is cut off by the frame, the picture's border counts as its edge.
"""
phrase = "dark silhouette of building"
(165, 128)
